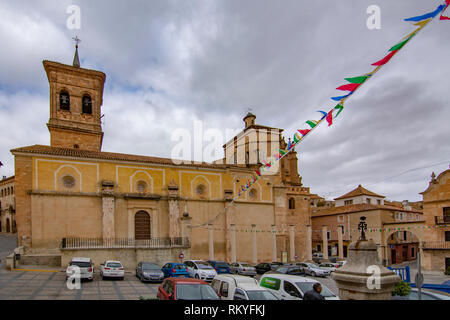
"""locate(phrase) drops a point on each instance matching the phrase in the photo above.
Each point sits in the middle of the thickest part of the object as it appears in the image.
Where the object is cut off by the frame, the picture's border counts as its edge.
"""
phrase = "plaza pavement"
(51, 285)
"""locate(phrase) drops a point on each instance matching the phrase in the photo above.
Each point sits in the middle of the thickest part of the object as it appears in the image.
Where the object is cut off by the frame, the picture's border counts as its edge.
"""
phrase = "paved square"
(33, 285)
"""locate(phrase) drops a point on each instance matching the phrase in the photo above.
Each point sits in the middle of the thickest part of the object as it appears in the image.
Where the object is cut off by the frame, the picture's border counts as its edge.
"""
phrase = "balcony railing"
(442, 219)
(123, 243)
(436, 245)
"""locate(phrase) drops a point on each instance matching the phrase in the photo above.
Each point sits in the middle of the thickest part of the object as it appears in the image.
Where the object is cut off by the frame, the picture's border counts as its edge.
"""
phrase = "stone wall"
(434, 260)
(40, 260)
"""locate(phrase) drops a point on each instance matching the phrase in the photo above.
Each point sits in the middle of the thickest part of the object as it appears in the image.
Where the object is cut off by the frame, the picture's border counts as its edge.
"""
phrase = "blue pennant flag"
(428, 15)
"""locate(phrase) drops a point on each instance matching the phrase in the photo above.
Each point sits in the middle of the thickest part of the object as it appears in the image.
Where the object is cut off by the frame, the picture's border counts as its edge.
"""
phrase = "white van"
(236, 287)
(290, 287)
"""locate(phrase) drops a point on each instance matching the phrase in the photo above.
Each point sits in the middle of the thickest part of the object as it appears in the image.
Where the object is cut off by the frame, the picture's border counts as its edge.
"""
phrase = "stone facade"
(72, 190)
(385, 219)
(436, 209)
(7, 205)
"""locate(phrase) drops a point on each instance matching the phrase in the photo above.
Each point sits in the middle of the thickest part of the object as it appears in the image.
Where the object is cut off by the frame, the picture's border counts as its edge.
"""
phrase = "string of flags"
(296, 230)
(354, 83)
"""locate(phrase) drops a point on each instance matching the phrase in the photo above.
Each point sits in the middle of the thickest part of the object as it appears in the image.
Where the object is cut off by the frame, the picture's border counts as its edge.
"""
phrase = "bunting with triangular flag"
(354, 83)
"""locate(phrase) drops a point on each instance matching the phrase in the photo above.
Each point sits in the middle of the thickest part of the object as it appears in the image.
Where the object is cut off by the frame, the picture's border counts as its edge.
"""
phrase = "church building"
(73, 199)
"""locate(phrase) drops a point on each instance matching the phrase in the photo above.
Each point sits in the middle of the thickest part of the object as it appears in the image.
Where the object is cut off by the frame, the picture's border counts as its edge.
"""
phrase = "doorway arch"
(142, 225)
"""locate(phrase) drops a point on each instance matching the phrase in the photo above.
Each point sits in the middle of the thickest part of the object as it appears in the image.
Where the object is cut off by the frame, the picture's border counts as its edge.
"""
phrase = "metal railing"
(436, 245)
(442, 219)
(119, 243)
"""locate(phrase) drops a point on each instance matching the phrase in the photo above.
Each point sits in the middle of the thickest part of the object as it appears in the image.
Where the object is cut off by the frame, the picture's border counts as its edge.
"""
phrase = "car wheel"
(197, 277)
(313, 274)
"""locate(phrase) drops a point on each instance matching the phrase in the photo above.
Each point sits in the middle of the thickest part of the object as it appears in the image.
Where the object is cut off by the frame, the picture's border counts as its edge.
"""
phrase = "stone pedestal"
(363, 277)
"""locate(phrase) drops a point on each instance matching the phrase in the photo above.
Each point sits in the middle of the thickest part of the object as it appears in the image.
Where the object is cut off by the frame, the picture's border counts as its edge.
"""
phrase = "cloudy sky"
(171, 63)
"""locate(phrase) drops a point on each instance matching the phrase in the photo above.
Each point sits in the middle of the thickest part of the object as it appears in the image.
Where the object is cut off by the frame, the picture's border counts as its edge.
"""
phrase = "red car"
(186, 289)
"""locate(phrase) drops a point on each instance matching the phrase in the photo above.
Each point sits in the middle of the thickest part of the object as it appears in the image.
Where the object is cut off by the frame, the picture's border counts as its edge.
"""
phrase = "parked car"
(199, 269)
(175, 269)
(186, 289)
(86, 268)
(236, 287)
(289, 269)
(243, 268)
(264, 267)
(220, 266)
(313, 270)
(427, 294)
(290, 287)
(341, 263)
(149, 271)
(317, 257)
(225, 284)
(112, 269)
(329, 266)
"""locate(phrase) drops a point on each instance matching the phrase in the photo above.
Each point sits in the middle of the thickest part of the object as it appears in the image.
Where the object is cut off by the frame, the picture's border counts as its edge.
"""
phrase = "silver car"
(313, 270)
(243, 268)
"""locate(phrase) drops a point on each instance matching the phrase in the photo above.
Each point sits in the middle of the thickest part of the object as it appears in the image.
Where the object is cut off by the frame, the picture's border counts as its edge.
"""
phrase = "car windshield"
(179, 267)
(282, 269)
(246, 265)
(261, 295)
(203, 265)
(196, 292)
(150, 266)
(222, 265)
(307, 286)
(311, 265)
(113, 265)
(81, 264)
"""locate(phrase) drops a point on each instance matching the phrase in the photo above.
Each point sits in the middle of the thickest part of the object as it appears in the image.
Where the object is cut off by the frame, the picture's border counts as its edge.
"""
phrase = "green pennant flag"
(311, 123)
(340, 108)
(282, 152)
(360, 79)
(400, 45)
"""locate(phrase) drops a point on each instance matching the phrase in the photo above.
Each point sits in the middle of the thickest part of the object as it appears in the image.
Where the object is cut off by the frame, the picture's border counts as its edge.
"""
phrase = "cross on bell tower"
(76, 59)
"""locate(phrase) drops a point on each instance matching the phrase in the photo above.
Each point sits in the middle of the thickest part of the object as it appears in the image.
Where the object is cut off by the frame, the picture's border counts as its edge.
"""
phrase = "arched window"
(141, 186)
(68, 182)
(64, 100)
(253, 194)
(142, 225)
(201, 190)
(87, 104)
(291, 203)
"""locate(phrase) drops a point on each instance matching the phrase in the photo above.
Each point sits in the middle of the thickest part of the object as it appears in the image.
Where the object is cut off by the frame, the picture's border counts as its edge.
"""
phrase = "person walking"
(314, 294)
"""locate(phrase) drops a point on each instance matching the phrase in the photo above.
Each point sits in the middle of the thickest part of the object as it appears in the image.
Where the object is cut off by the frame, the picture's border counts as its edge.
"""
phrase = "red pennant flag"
(330, 118)
(442, 17)
(349, 87)
(385, 59)
(304, 132)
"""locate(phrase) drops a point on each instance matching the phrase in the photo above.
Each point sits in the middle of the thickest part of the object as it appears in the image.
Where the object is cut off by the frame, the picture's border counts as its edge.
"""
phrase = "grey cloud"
(169, 63)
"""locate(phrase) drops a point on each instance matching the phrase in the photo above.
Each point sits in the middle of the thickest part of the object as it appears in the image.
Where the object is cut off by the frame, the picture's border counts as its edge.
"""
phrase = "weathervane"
(362, 227)
(77, 41)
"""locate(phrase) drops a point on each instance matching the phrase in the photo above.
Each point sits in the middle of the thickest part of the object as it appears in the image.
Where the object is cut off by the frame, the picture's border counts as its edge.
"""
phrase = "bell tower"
(76, 97)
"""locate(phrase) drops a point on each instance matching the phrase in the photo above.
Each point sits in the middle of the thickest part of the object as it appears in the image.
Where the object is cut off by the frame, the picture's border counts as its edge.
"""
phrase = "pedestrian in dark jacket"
(314, 294)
